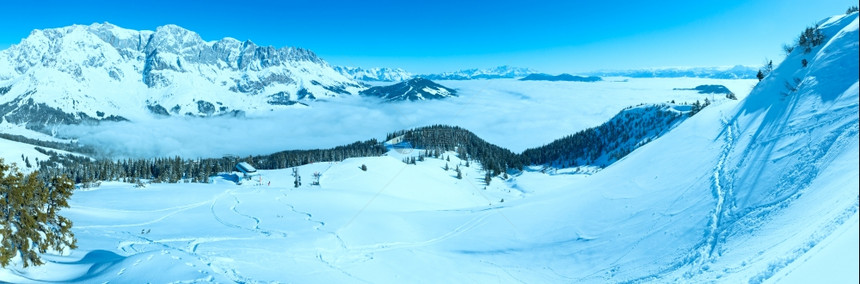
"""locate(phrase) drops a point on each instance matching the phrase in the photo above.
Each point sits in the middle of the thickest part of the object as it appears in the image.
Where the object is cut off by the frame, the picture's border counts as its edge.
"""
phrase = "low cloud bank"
(510, 113)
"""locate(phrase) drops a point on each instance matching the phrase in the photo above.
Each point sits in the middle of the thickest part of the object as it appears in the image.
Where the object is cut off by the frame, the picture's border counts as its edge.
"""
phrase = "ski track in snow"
(346, 255)
(256, 220)
(707, 252)
(136, 243)
(174, 211)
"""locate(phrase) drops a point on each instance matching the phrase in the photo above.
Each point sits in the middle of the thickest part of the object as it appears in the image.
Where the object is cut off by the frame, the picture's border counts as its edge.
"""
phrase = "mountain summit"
(416, 89)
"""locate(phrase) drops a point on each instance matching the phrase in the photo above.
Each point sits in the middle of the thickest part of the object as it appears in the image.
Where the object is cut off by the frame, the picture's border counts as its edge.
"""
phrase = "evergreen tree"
(29, 211)
(363, 167)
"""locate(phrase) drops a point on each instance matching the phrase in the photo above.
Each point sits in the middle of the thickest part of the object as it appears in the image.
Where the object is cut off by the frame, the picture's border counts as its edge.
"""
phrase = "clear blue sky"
(434, 36)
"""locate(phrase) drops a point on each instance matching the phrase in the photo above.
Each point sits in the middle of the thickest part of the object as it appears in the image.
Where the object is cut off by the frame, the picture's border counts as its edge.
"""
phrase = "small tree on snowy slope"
(30, 223)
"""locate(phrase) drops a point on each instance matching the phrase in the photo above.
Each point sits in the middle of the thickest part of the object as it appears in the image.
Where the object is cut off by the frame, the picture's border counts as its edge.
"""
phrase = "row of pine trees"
(84, 170)
(605, 144)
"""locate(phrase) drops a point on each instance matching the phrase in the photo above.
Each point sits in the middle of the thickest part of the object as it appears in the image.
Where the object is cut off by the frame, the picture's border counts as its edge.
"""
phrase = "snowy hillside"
(89, 73)
(374, 74)
(602, 145)
(734, 72)
(490, 73)
(416, 89)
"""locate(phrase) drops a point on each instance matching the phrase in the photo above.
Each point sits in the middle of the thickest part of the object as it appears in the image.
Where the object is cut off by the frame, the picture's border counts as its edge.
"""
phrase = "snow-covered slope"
(491, 73)
(417, 89)
(101, 71)
(383, 74)
(734, 194)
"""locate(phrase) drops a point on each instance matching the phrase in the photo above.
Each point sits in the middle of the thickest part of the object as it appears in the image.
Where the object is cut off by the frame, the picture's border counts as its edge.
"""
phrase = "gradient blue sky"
(435, 36)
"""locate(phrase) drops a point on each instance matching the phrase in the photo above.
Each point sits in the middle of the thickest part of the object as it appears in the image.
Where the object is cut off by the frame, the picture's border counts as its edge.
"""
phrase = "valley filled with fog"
(507, 112)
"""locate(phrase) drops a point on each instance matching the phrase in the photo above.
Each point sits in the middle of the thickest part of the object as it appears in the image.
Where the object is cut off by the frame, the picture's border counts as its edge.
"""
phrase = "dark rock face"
(158, 110)
(205, 108)
(40, 117)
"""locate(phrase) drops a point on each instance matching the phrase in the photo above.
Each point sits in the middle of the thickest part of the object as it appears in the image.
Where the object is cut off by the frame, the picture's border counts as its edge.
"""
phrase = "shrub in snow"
(811, 37)
(31, 224)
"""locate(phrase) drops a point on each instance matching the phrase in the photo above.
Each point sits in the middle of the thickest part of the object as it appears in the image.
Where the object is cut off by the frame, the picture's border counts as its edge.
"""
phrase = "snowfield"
(758, 190)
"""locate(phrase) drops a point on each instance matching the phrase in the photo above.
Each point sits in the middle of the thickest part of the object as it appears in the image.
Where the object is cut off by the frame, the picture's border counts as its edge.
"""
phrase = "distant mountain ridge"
(91, 73)
(734, 72)
(383, 74)
(508, 72)
(560, 77)
(499, 72)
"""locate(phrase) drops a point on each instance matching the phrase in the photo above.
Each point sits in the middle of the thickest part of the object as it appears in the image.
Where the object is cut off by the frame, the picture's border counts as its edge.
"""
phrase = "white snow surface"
(758, 190)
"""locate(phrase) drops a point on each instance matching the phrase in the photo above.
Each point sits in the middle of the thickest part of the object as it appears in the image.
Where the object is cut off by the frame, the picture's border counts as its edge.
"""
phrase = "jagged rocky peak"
(174, 39)
(120, 38)
(168, 39)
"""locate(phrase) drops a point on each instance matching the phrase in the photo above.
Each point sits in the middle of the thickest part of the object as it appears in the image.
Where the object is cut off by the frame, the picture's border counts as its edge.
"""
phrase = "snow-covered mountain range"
(396, 74)
(734, 72)
(101, 71)
(382, 74)
(503, 71)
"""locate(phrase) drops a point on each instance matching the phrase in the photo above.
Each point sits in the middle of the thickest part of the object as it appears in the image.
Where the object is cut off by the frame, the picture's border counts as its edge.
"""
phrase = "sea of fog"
(510, 113)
